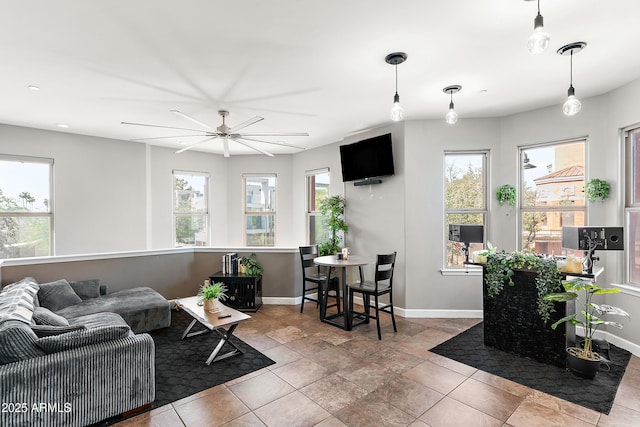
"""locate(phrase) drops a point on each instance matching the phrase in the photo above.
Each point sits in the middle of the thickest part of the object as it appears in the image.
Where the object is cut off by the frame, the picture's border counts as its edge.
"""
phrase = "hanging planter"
(596, 189)
(507, 194)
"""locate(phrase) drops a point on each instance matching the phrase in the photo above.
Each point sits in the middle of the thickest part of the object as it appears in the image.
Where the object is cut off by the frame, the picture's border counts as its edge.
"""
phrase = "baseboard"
(615, 340)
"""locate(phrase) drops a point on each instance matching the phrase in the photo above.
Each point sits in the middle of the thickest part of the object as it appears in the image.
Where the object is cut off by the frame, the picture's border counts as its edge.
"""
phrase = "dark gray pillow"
(86, 289)
(44, 316)
(49, 330)
(57, 295)
(81, 338)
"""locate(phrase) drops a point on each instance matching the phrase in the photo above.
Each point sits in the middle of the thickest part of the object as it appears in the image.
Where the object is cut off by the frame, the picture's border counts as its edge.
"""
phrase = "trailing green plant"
(251, 265)
(332, 209)
(500, 267)
(213, 291)
(596, 189)
(591, 313)
(507, 194)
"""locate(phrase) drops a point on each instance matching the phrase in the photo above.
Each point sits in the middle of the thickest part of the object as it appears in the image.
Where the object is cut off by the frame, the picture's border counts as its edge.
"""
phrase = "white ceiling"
(313, 66)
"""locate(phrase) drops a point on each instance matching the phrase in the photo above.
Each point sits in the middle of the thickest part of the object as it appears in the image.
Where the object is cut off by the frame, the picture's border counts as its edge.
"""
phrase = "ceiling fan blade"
(244, 124)
(225, 146)
(253, 147)
(194, 120)
(270, 142)
(276, 134)
(188, 147)
(158, 126)
(169, 137)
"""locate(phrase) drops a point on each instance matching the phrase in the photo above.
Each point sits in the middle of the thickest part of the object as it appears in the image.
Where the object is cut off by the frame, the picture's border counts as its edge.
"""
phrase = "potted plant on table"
(583, 361)
(211, 294)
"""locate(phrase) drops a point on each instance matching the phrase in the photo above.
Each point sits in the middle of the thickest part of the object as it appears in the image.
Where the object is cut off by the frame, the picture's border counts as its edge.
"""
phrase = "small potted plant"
(251, 266)
(596, 189)
(211, 294)
(583, 361)
(507, 194)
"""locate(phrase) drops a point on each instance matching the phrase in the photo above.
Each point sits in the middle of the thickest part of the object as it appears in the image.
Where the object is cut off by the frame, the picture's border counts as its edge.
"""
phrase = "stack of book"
(230, 263)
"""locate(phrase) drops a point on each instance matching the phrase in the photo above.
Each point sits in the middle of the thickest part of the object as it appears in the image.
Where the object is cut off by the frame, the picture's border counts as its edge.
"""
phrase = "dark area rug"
(180, 364)
(597, 394)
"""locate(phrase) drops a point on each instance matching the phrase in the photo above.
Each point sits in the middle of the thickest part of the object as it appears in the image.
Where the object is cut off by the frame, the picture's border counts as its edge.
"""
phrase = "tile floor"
(328, 377)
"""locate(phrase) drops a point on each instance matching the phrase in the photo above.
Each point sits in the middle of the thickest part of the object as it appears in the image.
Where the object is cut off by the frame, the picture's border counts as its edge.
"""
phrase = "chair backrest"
(307, 255)
(385, 264)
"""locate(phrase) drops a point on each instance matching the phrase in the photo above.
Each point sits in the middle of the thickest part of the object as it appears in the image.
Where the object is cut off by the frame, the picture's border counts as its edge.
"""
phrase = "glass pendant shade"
(451, 117)
(397, 112)
(539, 40)
(572, 105)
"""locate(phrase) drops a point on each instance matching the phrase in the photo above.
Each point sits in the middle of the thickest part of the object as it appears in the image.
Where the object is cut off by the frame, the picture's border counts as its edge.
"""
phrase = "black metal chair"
(318, 282)
(381, 285)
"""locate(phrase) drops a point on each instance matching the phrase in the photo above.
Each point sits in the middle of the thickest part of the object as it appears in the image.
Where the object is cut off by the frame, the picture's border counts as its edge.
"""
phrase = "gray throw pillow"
(17, 300)
(57, 295)
(44, 316)
(86, 289)
(81, 338)
(49, 330)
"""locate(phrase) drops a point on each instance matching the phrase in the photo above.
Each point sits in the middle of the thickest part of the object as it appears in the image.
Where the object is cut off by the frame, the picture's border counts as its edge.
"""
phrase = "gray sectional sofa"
(72, 355)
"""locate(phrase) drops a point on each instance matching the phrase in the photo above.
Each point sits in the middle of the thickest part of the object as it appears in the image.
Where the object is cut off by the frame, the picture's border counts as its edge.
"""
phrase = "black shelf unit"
(244, 291)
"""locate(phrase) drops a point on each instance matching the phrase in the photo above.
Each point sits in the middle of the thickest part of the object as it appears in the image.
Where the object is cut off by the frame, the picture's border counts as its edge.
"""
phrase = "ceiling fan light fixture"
(395, 58)
(572, 105)
(451, 117)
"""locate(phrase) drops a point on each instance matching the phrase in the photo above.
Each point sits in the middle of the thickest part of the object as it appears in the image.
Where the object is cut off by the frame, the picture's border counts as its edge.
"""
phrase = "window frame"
(247, 214)
(631, 203)
(522, 209)
(484, 210)
(205, 213)
(309, 213)
(50, 214)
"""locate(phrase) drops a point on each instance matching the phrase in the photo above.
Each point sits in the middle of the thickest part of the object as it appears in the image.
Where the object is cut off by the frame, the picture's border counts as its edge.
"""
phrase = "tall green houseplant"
(332, 209)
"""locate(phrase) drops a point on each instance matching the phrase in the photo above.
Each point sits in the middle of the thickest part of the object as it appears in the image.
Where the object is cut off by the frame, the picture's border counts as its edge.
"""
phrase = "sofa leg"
(136, 411)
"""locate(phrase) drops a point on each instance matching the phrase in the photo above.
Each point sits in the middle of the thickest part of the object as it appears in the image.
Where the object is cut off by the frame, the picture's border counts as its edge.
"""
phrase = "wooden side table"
(244, 291)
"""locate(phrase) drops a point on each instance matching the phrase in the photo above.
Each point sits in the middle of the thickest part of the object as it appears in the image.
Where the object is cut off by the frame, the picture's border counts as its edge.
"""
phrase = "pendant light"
(572, 105)
(452, 116)
(395, 58)
(539, 40)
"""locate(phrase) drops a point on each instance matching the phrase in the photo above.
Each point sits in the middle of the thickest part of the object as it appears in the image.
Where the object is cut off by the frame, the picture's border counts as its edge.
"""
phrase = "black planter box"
(512, 322)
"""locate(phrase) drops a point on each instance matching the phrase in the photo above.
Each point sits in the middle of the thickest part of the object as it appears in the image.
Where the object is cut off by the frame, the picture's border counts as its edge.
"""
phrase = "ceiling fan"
(224, 132)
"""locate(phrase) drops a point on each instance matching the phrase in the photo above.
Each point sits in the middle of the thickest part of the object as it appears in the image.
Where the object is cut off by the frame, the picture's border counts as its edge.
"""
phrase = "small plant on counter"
(251, 265)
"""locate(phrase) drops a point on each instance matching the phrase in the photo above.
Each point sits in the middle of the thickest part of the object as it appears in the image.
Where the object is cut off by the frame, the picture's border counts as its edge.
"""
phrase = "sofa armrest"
(80, 386)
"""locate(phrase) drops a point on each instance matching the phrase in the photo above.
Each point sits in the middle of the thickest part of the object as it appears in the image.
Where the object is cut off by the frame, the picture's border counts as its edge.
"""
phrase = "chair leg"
(377, 316)
(350, 311)
(337, 291)
(303, 294)
(366, 302)
(393, 316)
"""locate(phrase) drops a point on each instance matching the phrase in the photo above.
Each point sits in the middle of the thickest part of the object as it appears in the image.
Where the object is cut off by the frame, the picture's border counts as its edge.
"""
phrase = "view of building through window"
(632, 211)
(26, 207)
(191, 208)
(551, 194)
(260, 209)
(317, 190)
(465, 199)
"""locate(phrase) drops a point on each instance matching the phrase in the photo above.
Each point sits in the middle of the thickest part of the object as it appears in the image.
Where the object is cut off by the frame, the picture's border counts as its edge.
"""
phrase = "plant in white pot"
(583, 361)
(211, 294)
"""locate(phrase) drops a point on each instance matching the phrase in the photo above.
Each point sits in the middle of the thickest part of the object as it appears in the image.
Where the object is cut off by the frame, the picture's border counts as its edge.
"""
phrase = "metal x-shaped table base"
(224, 338)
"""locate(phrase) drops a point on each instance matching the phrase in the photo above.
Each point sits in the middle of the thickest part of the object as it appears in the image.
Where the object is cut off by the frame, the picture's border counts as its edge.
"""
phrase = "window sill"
(468, 271)
(627, 289)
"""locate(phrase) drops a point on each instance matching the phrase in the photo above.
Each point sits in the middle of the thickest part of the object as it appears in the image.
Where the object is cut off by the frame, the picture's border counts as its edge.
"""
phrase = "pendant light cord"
(396, 64)
(571, 69)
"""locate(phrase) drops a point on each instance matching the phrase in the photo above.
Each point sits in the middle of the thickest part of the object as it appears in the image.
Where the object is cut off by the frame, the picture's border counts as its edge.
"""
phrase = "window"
(260, 209)
(632, 211)
(26, 207)
(317, 190)
(465, 189)
(551, 194)
(190, 208)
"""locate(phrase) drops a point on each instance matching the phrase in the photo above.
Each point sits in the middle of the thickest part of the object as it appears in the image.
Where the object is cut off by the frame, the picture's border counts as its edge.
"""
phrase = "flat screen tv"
(369, 158)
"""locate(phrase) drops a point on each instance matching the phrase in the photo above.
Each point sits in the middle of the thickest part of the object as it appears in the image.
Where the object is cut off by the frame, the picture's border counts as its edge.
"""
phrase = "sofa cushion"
(44, 316)
(48, 330)
(86, 289)
(17, 342)
(57, 295)
(17, 300)
(98, 319)
(81, 338)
